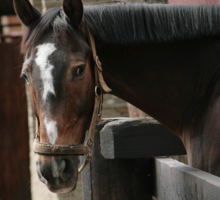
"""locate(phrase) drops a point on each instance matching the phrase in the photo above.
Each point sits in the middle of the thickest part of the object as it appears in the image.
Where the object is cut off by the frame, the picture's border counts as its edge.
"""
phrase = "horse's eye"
(25, 76)
(80, 70)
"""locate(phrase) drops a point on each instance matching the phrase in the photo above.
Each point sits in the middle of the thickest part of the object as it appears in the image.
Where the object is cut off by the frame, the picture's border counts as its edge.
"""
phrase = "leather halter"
(79, 149)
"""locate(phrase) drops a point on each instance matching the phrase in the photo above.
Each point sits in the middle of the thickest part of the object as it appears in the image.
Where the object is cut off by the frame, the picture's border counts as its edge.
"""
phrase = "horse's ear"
(25, 11)
(74, 11)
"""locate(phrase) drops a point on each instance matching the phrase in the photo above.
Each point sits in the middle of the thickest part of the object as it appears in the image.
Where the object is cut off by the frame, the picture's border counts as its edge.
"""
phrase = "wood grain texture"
(194, 2)
(138, 138)
(6, 7)
(14, 144)
(177, 181)
(124, 179)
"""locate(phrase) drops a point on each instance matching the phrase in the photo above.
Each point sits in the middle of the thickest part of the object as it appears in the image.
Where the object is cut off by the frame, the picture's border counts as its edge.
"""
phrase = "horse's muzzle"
(58, 173)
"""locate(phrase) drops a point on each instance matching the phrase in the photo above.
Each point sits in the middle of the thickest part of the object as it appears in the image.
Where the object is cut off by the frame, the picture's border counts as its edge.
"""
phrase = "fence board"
(138, 138)
(177, 181)
(194, 2)
(6, 7)
(14, 144)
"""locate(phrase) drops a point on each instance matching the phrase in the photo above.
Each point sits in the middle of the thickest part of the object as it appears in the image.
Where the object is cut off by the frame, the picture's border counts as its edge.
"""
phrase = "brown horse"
(163, 59)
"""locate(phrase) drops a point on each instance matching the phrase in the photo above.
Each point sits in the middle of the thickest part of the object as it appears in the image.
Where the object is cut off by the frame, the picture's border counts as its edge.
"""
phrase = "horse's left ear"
(74, 11)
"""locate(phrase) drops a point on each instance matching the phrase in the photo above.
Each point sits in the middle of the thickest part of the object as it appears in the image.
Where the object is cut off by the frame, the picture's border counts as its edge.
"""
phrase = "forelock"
(52, 20)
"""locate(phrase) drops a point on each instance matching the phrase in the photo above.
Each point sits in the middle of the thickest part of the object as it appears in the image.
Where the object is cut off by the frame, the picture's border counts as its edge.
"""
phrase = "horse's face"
(61, 82)
(57, 69)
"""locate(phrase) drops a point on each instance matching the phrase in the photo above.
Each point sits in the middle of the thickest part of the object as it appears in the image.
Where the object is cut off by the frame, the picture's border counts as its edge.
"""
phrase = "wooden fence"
(124, 166)
(14, 145)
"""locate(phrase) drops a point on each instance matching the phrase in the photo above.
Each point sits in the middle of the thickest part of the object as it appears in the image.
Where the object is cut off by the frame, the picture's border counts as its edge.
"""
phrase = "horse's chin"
(62, 189)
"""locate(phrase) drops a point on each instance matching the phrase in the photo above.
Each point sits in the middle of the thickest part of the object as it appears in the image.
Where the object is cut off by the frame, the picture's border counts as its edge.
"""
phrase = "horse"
(164, 59)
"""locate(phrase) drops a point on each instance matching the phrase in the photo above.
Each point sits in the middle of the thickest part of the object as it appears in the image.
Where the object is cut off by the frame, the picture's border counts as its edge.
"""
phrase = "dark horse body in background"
(163, 59)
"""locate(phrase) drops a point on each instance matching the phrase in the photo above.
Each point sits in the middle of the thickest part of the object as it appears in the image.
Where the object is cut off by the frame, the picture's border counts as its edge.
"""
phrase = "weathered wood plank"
(14, 144)
(124, 179)
(6, 7)
(177, 181)
(138, 138)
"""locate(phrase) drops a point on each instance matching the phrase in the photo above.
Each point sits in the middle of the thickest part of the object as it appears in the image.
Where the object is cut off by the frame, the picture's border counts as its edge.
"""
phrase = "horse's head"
(58, 71)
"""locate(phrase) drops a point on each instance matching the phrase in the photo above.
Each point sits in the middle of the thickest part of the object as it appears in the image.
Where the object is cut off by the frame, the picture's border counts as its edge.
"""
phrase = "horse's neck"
(177, 84)
(203, 142)
(164, 80)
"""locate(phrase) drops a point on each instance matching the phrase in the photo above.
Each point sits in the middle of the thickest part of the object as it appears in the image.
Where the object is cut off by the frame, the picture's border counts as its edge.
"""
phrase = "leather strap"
(46, 149)
(98, 64)
(100, 86)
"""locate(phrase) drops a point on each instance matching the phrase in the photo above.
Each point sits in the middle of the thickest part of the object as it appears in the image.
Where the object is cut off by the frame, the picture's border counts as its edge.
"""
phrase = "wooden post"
(14, 149)
(118, 179)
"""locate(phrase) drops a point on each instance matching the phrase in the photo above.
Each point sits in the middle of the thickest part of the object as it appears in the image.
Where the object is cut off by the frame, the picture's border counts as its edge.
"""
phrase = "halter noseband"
(75, 149)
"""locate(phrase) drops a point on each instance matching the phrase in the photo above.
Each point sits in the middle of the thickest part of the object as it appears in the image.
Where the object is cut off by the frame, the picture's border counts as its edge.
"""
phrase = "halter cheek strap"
(100, 86)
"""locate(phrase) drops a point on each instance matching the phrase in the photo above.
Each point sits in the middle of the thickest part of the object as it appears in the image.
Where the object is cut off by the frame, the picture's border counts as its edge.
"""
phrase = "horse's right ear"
(26, 12)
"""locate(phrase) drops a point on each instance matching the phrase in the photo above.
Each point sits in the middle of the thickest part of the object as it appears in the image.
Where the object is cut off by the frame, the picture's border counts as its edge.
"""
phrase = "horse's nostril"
(66, 171)
(41, 177)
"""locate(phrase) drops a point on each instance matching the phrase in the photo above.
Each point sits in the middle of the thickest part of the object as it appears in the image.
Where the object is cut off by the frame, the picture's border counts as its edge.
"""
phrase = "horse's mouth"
(63, 188)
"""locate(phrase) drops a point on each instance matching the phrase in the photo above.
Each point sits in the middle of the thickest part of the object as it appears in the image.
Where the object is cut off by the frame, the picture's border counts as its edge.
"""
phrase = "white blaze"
(51, 127)
(43, 53)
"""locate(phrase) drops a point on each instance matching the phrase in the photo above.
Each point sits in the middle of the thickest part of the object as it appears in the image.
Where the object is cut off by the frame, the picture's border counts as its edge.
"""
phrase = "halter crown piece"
(76, 149)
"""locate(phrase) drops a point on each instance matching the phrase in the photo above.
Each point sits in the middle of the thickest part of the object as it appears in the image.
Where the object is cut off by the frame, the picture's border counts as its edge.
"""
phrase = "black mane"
(144, 23)
(132, 24)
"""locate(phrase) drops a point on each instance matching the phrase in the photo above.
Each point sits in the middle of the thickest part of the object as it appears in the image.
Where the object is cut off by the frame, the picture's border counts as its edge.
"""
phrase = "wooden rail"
(177, 181)
(138, 138)
(6, 7)
(124, 166)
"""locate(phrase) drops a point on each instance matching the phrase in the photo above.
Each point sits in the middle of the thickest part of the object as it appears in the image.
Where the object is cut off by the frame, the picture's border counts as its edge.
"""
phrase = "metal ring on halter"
(98, 91)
